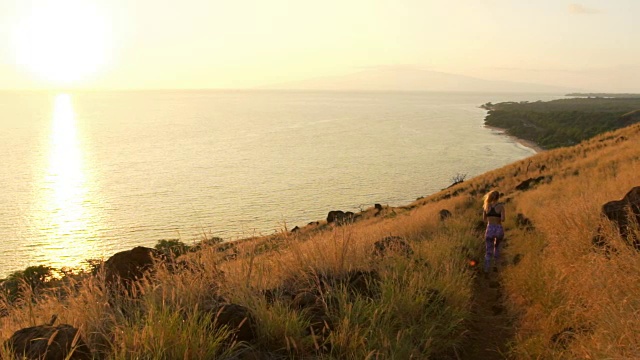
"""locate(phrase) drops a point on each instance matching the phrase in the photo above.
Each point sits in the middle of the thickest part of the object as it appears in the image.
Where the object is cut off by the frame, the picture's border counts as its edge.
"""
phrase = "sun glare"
(65, 195)
(62, 41)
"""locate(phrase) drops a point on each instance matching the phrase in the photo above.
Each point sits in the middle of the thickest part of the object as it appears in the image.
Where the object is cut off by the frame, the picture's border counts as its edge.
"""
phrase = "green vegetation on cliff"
(563, 122)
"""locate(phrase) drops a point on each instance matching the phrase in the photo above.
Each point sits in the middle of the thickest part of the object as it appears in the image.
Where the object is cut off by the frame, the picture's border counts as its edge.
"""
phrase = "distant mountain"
(410, 79)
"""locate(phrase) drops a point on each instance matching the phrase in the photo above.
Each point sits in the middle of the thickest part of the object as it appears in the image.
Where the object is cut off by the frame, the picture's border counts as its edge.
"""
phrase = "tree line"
(563, 122)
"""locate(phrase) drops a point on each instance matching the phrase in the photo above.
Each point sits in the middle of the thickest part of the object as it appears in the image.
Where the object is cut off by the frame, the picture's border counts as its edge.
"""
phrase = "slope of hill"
(391, 282)
(563, 122)
(410, 79)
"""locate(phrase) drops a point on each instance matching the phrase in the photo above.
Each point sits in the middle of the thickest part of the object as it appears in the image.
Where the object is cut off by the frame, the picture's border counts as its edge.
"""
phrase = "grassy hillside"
(563, 122)
(324, 292)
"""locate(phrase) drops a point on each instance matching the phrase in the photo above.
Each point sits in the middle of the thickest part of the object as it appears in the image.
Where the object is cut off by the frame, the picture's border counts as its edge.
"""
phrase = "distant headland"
(563, 122)
(605, 95)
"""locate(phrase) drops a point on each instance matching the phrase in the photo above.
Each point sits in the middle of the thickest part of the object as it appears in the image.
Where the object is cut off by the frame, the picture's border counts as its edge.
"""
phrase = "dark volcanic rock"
(130, 265)
(306, 299)
(364, 283)
(444, 214)
(236, 318)
(624, 213)
(340, 217)
(46, 342)
(318, 297)
(313, 307)
(531, 182)
(378, 209)
(334, 215)
(564, 337)
(524, 223)
(516, 259)
(392, 245)
(301, 289)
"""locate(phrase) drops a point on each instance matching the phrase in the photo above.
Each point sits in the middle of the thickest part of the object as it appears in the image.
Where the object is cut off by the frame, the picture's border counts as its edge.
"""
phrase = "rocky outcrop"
(532, 182)
(236, 318)
(316, 296)
(340, 217)
(378, 209)
(567, 335)
(48, 342)
(625, 213)
(516, 259)
(128, 266)
(392, 245)
(313, 306)
(524, 222)
(444, 214)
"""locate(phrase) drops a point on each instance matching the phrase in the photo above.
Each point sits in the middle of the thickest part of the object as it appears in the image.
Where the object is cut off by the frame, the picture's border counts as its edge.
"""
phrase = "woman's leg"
(489, 253)
(499, 236)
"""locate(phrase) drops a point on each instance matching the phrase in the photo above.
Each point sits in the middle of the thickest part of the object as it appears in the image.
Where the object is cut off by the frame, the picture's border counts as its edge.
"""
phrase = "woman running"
(493, 215)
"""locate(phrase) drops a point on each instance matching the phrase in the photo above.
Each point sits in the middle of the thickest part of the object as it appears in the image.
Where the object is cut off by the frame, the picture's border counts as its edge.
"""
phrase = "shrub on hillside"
(34, 278)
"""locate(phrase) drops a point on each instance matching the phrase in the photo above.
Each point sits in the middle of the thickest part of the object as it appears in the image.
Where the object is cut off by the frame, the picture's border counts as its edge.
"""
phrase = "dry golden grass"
(566, 298)
(564, 287)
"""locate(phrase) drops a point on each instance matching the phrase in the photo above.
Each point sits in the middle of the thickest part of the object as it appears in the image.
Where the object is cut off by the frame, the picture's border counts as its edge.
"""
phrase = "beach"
(526, 143)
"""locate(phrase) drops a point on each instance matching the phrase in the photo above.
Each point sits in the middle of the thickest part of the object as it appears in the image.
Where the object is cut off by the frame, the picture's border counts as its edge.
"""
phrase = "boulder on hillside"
(625, 213)
(392, 245)
(357, 282)
(306, 299)
(363, 282)
(524, 222)
(128, 266)
(48, 342)
(516, 259)
(334, 215)
(564, 337)
(444, 214)
(340, 217)
(531, 182)
(313, 306)
(378, 209)
(236, 318)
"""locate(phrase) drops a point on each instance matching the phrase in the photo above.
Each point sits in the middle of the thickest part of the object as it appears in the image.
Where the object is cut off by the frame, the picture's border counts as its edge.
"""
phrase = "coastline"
(526, 143)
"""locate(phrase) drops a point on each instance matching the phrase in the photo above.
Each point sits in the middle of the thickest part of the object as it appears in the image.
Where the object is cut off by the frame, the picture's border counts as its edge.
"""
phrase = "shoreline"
(526, 143)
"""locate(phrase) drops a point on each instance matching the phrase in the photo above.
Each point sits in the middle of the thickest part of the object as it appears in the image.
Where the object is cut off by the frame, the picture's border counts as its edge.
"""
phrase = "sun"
(62, 41)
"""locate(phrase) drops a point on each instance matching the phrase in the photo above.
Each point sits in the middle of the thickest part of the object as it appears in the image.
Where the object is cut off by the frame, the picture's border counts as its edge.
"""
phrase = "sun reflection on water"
(66, 217)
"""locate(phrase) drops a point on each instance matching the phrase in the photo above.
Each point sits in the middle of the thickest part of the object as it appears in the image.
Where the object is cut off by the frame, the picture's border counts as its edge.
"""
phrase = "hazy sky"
(590, 44)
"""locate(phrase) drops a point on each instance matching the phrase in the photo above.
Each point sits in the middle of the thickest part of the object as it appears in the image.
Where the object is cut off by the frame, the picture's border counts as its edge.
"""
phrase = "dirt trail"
(491, 329)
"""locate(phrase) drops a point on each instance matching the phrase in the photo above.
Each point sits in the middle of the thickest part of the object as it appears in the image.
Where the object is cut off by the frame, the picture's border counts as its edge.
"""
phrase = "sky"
(196, 44)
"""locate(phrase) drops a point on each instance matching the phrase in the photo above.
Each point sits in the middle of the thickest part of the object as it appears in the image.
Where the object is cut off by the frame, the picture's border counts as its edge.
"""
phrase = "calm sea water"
(85, 175)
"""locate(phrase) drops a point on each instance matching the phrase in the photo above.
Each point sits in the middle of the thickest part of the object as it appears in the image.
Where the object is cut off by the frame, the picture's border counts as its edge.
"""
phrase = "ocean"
(88, 174)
